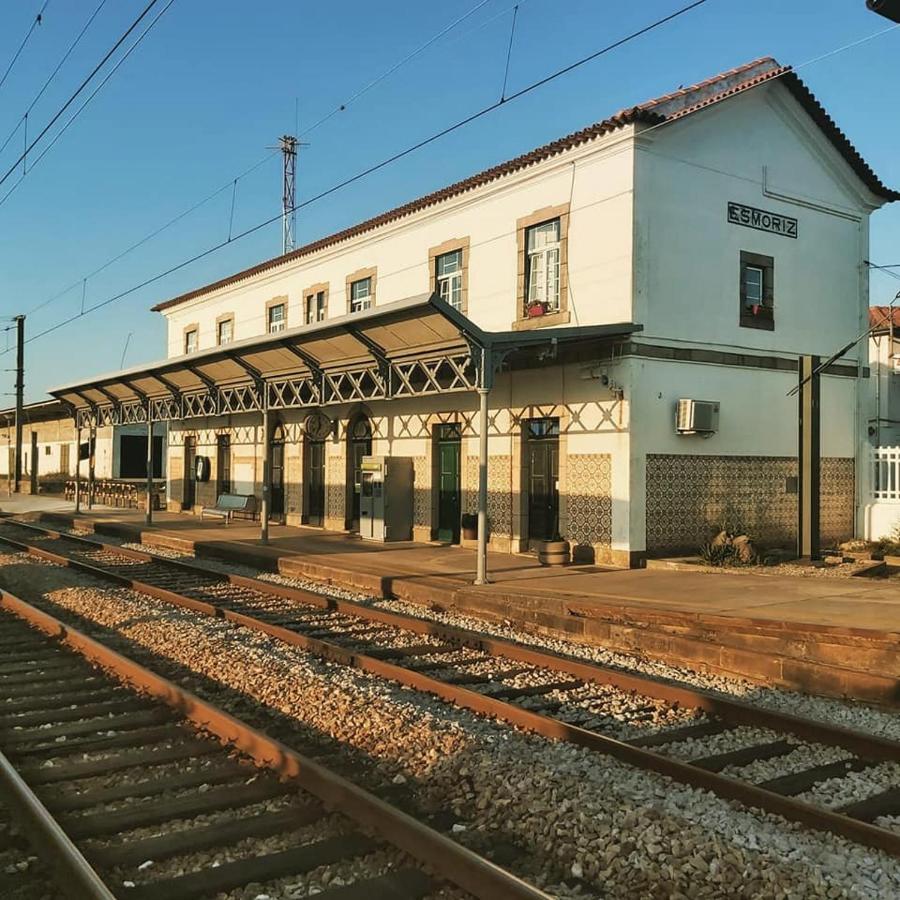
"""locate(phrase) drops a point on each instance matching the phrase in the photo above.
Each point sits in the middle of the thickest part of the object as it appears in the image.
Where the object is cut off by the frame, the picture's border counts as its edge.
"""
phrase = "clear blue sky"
(215, 83)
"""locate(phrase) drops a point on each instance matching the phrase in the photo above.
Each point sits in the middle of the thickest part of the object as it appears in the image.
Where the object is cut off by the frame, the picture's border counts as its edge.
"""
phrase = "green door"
(448, 447)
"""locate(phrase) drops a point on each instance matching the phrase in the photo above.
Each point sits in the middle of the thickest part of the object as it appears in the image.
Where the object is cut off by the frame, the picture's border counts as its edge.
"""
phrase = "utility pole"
(288, 144)
(20, 394)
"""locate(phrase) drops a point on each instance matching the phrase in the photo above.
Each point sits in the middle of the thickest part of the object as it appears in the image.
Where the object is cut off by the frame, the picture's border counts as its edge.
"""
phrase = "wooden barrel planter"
(554, 553)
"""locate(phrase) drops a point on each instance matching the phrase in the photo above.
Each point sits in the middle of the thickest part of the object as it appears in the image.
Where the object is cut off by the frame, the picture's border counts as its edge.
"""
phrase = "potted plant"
(534, 309)
(554, 553)
(469, 525)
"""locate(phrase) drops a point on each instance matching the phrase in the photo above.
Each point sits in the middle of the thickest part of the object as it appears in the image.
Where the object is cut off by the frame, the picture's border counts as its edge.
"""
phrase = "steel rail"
(450, 860)
(747, 793)
(77, 878)
(734, 712)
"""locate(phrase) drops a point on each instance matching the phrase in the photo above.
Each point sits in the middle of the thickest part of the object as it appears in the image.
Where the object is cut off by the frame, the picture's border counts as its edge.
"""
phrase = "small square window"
(277, 318)
(190, 341)
(360, 294)
(448, 277)
(224, 331)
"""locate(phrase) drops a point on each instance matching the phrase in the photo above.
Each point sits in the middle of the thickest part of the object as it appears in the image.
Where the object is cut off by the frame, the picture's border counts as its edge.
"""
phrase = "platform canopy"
(415, 347)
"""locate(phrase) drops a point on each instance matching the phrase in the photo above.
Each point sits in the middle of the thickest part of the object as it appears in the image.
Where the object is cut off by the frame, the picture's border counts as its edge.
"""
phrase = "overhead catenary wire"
(81, 87)
(89, 98)
(232, 183)
(34, 24)
(374, 168)
(253, 229)
(52, 75)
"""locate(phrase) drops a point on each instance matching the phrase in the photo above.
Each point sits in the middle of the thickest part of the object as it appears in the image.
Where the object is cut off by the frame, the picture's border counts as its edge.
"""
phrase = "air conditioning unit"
(697, 417)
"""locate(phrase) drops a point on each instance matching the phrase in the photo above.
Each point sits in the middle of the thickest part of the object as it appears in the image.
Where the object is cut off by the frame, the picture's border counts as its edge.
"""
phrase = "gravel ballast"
(584, 819)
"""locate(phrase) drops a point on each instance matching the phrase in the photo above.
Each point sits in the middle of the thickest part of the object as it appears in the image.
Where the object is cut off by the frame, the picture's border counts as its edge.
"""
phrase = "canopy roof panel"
(410, 347)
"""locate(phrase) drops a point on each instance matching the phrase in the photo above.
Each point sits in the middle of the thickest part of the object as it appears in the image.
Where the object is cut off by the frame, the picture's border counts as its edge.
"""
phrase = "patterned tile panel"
(589, 499)
(421, 491)
(691, 498)
(499, 506)
(335, 477)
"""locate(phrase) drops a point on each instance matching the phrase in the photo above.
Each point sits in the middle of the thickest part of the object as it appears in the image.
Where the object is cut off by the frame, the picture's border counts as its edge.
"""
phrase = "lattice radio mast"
(289, 144)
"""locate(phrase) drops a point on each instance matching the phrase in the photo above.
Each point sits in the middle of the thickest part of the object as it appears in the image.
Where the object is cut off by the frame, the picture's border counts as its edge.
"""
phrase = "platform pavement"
(828, 635)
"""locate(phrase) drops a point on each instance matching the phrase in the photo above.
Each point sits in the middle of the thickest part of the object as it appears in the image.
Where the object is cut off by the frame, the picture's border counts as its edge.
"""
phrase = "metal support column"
(267, 460)
(92, 448)
(149, 517)
(481, 575)
(808, 543)
(77, 465)
(20, 390)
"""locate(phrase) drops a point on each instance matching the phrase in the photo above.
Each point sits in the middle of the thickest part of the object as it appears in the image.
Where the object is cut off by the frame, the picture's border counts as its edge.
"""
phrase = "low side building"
(675, 251)
(49, 452)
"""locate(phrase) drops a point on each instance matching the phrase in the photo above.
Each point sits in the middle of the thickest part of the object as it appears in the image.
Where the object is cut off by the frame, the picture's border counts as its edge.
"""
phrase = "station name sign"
(751, 217)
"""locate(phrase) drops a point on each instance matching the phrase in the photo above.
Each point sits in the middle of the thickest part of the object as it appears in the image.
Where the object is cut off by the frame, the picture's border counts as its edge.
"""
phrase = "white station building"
(632, 299)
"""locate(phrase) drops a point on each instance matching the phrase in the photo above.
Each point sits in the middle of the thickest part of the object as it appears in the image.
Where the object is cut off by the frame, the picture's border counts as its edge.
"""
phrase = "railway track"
(131, 787)
(764, 759)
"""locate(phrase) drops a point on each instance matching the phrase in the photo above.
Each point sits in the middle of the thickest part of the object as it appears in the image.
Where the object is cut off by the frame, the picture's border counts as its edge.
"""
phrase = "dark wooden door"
(276, 477)
(359, 444)
(542, 448)
(448, 451)
(315, 482)
(189, 483)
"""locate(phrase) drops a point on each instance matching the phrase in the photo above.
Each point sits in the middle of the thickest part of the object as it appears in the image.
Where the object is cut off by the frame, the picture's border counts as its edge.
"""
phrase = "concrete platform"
(827, 635)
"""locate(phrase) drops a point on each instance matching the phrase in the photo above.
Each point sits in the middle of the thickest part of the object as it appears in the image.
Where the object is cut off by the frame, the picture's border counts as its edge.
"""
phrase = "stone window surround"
(195, 327)
(313, 289)
(277, 301)
(359, 275)
(225, 317)
(450, 246)
(538, 217)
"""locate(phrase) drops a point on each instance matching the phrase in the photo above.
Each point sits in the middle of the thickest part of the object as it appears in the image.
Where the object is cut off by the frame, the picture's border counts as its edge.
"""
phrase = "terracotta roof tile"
(666, 108)
(880, 317)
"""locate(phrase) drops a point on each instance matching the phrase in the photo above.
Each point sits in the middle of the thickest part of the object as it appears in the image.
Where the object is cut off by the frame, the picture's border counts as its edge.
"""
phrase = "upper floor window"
(542, 248)
(448, 277)
(276, 317)
(314, 307)
(757, 291)
(191, 337)
(224, 331)
(360, 294)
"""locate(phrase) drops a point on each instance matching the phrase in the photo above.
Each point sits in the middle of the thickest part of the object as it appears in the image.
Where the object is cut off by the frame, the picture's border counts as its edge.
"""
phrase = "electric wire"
(73, 97)
(34, 24)
(371, 169)
(232, 183)
(247, 232)
(90, 97)
(53, 74)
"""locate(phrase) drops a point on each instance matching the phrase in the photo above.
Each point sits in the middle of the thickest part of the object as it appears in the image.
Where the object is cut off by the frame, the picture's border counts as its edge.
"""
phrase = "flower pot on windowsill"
(533, 310)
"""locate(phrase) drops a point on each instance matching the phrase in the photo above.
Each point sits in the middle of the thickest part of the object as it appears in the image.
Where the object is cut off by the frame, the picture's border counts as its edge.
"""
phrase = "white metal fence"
(886, 473)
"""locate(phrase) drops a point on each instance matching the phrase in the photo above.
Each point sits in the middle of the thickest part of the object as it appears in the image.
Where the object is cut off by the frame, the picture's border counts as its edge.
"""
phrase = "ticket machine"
(386, 498)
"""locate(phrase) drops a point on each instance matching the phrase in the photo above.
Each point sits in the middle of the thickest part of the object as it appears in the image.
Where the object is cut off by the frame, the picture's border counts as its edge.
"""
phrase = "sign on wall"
(751, 217)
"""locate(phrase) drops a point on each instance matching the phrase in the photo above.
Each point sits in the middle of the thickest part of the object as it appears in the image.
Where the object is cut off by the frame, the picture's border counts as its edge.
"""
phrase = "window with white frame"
(448, 277)
(276, 317)
(757, 291)
(360, 294)
(542, 249)
(190, 340)
(224, 331)
(315, 307)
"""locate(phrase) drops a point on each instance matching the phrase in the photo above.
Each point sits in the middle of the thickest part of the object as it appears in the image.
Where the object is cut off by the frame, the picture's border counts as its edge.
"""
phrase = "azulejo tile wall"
(335, 482)
(691, 498)
(421, 492)
(589, 499)
(499, 505)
